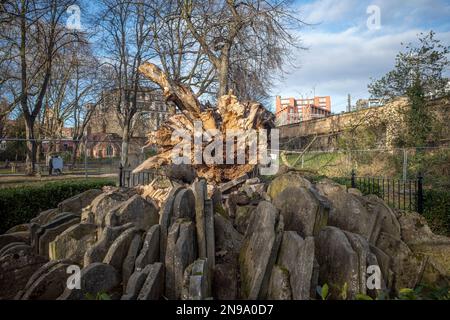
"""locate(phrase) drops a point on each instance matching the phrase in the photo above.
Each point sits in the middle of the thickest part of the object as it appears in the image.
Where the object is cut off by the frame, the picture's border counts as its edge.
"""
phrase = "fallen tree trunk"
(230, 115)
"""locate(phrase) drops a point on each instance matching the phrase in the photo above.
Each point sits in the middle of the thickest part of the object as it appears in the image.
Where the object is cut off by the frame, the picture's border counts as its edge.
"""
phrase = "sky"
(347, 44)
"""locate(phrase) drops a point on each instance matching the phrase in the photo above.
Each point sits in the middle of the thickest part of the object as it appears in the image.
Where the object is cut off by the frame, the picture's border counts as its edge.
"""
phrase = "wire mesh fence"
(406, 163)
(77, 157)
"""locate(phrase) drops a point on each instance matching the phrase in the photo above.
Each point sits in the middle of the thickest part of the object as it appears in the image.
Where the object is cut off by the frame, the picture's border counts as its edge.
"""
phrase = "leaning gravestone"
(73, 243)
(135, 283)
(197, 281)
(76, 203)
(150, 249)
(136, 210)
(165, 219)
(15, 270)
(97, 252)
(296, 255)
(200, 192)
(119, 249)
(259, 250)
(279, 286)
(180, 252)
(153, 287)
(128, 262)
(95, 278)
(49, 285)
(339, 263)
(50, 231)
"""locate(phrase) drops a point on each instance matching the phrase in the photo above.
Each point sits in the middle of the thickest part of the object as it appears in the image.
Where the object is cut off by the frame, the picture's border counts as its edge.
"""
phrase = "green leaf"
(324, 292)
(360, 296)
(103, 296)
(344, 291)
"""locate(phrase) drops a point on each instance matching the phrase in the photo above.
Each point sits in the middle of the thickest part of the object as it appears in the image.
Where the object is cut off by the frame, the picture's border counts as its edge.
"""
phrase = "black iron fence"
(129, 179)
(404, 194)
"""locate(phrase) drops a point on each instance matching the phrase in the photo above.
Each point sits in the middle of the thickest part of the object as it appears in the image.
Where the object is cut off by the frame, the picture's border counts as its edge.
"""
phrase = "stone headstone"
(198, 281)
(243, 214)
(36, 230)
(165, 219)
(8, 238)
(289, 179)
(15, 270)
(135, 283)
(136, 210)
(339, 263)
(101, 205)
(406, 265)
(19, 228)
(149, 253)
(296, 255)
(49, 285)
(279, 286)
(15, 247)
(73, 243)
(153, 287)
(259, 250)
(360, 221)
(128, 262)
(300, 210)
(97, 252)
(225, 284)
(119, 249)
(184, 205)
(200, 193)
(95, 278)
(38, 273)
(180, 252)
(209, 232)
(45, 216)
(49, 232)
(76, 203)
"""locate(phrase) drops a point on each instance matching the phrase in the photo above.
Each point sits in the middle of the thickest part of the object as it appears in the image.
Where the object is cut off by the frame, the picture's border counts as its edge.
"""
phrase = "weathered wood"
(230, 114)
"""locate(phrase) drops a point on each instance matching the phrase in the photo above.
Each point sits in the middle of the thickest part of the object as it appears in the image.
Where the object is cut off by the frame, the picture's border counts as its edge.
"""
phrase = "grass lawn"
(20, 180)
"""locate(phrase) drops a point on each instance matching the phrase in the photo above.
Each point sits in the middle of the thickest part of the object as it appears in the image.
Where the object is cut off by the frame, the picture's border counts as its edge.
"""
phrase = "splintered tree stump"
(230, 115)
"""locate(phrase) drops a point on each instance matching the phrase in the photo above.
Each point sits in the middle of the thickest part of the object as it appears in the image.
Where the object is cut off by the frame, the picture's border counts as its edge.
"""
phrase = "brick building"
(152, 112)
(105, 128)
(293, 110)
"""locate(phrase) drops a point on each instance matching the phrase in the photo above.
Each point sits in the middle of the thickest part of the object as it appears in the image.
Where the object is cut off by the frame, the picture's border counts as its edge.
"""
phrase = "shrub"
(436, 209)
(20, 204)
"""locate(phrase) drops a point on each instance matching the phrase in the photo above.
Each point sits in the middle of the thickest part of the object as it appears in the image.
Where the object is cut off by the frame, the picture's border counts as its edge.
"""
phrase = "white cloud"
(327, 10)
(342, 60)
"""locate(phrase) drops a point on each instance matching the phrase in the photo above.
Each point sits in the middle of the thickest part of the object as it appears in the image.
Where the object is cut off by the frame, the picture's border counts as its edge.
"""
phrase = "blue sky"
(343, 53)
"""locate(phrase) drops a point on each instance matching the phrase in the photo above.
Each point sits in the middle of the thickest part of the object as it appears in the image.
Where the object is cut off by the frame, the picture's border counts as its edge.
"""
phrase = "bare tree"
(74, 91)
(5, 110)
(181, 57)
(36, 35)
(244, 40)
(127, 42)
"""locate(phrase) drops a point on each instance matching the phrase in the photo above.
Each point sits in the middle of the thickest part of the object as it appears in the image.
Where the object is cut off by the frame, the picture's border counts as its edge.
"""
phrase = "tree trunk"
(125, 145)
(223, 76)
(76, 145)
(31, 147)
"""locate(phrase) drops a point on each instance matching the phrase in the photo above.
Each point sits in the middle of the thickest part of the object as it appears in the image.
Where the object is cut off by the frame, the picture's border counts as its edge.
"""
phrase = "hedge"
(436, 209)
(20, 204)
